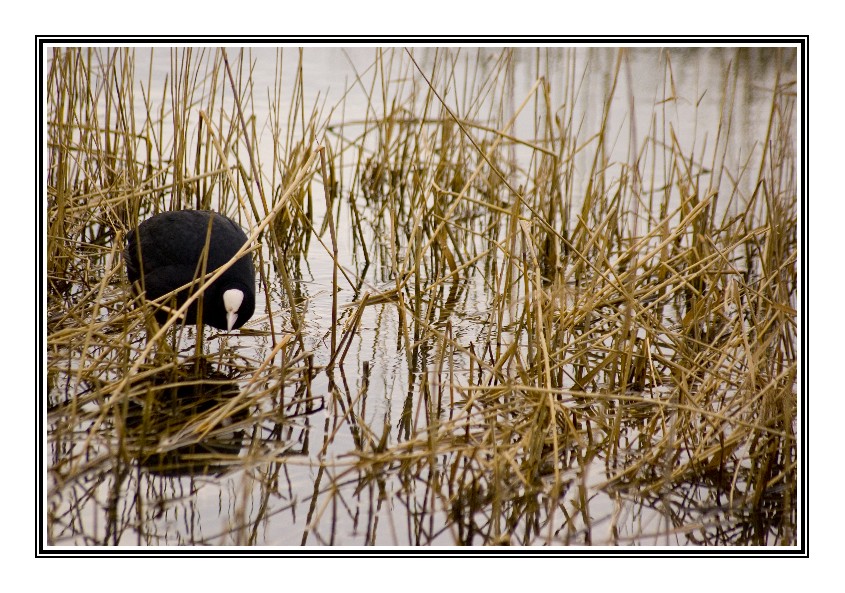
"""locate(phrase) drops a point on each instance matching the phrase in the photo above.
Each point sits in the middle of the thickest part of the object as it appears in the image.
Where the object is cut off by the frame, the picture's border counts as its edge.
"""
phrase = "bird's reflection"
(174, 400)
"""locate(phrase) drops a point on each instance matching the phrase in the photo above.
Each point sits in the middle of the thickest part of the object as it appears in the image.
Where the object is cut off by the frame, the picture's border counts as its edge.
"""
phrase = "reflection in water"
(149, 466)
(175, 400)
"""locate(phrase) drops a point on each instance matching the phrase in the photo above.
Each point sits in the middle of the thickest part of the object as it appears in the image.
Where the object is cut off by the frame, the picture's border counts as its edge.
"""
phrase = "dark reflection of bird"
(169, 251)
(169, 400)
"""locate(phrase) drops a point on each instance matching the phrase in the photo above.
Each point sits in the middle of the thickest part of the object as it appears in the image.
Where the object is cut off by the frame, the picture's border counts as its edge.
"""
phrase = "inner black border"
(800, 551)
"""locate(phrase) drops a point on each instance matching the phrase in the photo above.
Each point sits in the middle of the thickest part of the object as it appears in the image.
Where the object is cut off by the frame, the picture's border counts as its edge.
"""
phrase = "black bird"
(166, 252)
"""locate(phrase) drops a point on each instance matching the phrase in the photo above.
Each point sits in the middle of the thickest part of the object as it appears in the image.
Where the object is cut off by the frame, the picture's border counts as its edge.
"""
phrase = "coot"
(166, 252)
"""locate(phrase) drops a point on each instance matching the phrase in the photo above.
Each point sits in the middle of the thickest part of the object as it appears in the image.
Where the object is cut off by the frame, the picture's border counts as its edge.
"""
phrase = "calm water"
(310, 493)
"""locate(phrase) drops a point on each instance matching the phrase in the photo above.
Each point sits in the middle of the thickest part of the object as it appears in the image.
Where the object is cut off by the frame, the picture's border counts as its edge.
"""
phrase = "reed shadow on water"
(502, 297)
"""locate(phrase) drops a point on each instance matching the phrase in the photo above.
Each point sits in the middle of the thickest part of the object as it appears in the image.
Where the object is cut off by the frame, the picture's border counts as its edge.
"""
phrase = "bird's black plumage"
(166, 252)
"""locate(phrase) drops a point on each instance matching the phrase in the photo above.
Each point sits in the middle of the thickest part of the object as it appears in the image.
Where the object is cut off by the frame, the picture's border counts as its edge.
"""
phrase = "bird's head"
(232, 300)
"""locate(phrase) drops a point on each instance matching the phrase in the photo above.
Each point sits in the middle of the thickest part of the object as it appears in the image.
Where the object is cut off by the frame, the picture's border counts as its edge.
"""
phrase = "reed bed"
(591, 348)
